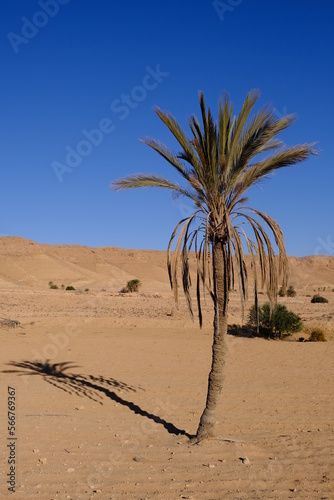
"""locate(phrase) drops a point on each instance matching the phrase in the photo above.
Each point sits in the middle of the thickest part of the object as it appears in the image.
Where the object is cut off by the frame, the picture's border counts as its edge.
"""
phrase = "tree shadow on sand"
(89, 386)
(241, 331)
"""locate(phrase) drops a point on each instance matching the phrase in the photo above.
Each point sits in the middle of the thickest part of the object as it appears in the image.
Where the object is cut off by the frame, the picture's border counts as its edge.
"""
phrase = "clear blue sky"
(71, 72)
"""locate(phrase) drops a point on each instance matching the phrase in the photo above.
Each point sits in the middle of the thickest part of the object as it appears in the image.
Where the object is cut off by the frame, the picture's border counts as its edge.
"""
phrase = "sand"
(109, 386)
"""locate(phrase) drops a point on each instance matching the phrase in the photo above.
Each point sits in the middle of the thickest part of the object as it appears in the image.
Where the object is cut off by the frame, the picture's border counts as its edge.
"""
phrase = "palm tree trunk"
(219, 347)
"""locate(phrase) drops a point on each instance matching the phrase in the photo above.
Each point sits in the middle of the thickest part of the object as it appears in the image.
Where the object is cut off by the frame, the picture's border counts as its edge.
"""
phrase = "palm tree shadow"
(90, 386)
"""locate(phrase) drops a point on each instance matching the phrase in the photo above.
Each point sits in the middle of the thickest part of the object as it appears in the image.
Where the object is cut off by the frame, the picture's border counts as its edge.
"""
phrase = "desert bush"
(318, 299)
(86, 289)
(264, 316)
(281, 293)
(281, 322)
(291, 292)
(132, 286)
(70, 288)
(317, 335)
(52, 286)
(286, 322)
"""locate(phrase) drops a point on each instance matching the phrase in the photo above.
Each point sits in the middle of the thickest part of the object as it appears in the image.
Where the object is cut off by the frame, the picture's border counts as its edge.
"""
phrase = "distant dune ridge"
(27, 263)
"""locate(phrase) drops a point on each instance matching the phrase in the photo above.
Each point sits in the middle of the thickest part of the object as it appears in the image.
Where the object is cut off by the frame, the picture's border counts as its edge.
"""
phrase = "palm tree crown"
(218, 164)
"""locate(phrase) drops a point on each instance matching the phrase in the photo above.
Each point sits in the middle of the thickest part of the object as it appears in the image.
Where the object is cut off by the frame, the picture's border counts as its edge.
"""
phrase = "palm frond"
(240, 122)
(284, 158)
(188, 152)
(142, 180)
(167, 154)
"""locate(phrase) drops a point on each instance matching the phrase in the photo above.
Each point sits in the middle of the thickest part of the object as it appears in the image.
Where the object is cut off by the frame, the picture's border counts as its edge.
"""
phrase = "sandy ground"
(109, 387)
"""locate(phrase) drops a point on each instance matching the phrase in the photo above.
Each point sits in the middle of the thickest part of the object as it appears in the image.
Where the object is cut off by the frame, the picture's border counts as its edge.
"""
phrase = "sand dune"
(109, 385)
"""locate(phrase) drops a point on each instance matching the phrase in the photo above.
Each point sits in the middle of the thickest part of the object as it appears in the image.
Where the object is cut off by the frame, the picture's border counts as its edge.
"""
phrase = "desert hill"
(26, 263)
(29, 264)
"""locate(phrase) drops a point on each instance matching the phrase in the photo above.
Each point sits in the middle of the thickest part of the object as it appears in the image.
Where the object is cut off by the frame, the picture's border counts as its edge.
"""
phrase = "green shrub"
(52, 286)
(132, 286)
(286, 322)
(317, 335)
(291, 292)
(70, 288)
(264, 316)
(318, 299)
(280, 322)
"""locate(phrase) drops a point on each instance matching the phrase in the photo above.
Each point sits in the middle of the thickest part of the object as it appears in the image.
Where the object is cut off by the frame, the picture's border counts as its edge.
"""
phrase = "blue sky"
(70, 67)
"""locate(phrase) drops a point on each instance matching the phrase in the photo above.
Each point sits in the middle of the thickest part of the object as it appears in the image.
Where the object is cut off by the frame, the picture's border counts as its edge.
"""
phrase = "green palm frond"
(284, 158)
(140, 180)
(163, 150)
(255, 139)
(187, 151)
(225, 125)
(239, 125)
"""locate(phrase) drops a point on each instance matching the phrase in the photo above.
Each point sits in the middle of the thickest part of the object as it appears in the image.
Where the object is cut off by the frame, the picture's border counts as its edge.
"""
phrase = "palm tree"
(218, 165)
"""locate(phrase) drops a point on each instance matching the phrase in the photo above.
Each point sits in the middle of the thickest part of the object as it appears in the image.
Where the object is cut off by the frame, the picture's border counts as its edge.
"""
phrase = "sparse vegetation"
(281, 322)
(9, 323)
(53, 286)
(317, 335)
(132, 286)
(318, 299)
(86, 289)
(291, 292)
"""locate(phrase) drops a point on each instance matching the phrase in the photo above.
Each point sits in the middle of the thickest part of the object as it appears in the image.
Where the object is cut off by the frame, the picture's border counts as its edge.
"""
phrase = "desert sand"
(110, 386)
